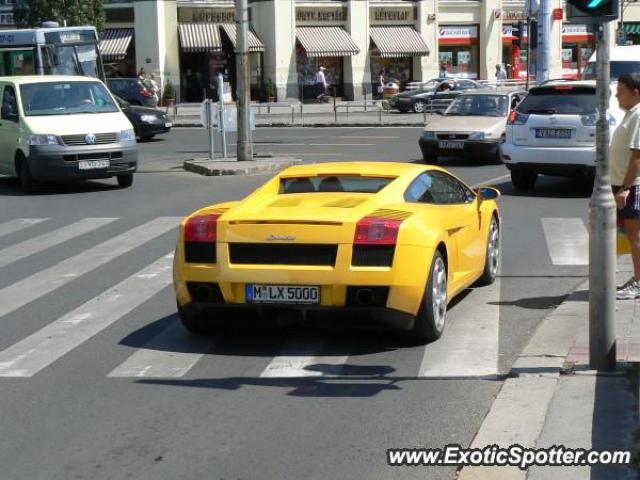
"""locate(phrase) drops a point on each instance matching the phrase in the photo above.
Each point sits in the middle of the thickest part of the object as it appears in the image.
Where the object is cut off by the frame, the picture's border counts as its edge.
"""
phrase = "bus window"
(17, 62)
(70, 60)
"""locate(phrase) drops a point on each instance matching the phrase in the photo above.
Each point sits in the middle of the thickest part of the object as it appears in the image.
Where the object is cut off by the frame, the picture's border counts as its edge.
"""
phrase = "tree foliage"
(31, 13)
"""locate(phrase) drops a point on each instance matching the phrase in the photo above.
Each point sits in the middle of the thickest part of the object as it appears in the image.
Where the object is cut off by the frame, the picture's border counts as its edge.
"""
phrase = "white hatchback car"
(552, 132)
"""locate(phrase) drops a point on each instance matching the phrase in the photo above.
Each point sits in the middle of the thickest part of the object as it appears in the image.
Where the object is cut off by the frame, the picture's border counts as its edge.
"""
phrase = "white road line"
(567, 241)
(469, 345)
(300, 356)
(50, 239)
(260, 144)
(41, 283)
(42, 348)
(374, 137)
(18, 224)
(172, 353)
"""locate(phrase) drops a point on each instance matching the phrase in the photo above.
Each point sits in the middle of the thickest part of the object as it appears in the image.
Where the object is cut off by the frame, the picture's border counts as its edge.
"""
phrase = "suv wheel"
(523, 179)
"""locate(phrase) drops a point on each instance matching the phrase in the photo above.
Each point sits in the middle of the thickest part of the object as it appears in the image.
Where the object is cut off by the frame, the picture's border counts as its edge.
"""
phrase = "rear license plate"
(283, 294)
(553, 133)
(450, 145)
(168, 125)
(92, 164)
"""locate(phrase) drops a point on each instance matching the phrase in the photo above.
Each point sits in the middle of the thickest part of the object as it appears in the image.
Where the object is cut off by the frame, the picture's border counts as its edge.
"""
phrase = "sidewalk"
(553, 399)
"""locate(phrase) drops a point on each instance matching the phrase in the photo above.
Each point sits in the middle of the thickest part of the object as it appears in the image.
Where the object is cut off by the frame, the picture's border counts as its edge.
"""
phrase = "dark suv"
(133, 90)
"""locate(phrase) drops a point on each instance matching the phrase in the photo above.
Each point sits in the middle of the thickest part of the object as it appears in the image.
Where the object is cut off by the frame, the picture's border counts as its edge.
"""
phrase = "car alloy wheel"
(419, 106)
(439, 293)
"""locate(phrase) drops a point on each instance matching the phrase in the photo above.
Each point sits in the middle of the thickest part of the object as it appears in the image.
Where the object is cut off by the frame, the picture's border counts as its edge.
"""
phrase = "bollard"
(365, 99)
(301, 115)
(380, 114)
(335, 111)
(347, 110)
(293, 112)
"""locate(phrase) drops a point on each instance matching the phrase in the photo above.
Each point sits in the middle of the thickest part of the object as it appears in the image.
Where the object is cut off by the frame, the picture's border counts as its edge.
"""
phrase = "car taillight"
(376, 231)
(201, 229)
(517, 118)
(145, 92)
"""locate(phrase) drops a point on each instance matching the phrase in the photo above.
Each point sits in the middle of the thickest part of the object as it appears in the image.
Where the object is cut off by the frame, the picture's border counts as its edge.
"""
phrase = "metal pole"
(602, 221)
(223, 124)
(208, 119)
(244, 144)
(528, 46)
(544, 42)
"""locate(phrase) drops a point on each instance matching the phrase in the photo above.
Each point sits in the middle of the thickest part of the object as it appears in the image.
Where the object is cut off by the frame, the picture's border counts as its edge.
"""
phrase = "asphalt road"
(85, 328)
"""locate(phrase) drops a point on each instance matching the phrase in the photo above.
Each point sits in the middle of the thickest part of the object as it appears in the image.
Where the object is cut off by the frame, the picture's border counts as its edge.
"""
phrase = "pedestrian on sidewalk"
(501, 75)
(624, 157)
(443, 71)
(321, 83)
(380, 84)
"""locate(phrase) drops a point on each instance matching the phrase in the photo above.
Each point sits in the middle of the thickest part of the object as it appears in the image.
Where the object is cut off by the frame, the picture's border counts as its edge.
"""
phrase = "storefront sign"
(576, 33)
(6, 19)
(510, 32)
(207, 15)
(458, 35)
(392, 16)
(317, 15)
(513, 15)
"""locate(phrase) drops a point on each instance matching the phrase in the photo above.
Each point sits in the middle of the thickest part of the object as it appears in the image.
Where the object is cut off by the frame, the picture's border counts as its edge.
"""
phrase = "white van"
(55, 128)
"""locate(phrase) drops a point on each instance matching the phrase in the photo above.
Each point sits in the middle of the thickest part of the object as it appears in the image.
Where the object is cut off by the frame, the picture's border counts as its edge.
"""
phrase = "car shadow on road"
(10, 187)
(547, 187)
(533, 303)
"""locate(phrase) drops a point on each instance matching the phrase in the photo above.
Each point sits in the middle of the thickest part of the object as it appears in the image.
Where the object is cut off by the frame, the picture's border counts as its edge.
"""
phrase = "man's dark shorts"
(631, 210)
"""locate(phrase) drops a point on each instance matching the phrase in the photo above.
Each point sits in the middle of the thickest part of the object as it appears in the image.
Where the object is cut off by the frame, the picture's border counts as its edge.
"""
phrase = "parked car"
(147, 122)
(367, 243)
(473, 126)
(553, 132)
(133, 90)
(58, 128)
(434, 95)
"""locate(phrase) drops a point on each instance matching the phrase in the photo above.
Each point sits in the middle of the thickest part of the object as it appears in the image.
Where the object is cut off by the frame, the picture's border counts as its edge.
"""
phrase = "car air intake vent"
(282, 254)
(453, 136)
(286, 202)
(200, 252)
(85, 139)
(391, 214)
(345, 203)
(373, 255)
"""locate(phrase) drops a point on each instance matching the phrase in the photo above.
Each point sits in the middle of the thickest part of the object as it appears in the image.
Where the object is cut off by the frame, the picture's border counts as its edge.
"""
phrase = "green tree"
(31, 13)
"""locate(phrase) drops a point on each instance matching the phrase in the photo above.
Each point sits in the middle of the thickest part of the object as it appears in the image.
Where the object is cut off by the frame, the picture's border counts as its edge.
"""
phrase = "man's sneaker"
(626, 284)
(630, 292)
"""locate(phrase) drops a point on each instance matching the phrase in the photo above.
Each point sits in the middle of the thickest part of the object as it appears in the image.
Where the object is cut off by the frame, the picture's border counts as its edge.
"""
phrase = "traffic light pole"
(244, 147)
(602, 221)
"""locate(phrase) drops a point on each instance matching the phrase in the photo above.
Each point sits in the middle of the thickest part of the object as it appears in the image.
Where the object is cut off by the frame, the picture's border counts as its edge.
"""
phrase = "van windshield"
(65, 98)
(617, 69)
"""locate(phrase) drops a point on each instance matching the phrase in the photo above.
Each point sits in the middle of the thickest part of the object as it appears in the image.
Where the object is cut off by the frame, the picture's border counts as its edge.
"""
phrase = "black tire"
(125, 181)
(523, 179)
(427, 328)
(490, 271)
(146, 138)
(497, 159)
(193, 325)
(27, 183)
(419, 106)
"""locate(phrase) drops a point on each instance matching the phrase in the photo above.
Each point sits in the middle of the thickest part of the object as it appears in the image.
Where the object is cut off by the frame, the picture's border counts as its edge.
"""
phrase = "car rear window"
(561, 100)
(333, 183)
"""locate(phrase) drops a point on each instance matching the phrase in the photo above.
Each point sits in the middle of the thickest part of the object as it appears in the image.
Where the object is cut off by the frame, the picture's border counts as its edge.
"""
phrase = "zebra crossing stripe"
(42, 348)
(18, 224)
(300, 357)
(172, 353)
(31, 288)
(47, 240)
(567, 241)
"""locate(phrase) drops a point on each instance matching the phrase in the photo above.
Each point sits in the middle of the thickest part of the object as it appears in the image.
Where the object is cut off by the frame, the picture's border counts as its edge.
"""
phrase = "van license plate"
(283, 294)
(450, 145)
(92, 164)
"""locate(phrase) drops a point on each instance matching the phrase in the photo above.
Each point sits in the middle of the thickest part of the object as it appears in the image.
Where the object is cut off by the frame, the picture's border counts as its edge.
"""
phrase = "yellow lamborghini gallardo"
(354, 243)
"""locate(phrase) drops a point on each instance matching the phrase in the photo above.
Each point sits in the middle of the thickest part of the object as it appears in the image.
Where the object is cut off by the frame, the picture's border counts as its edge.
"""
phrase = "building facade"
(191, 42)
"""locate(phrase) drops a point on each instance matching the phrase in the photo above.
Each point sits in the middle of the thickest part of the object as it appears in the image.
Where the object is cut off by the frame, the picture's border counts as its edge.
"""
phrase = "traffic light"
(521, 35)
(592, 11)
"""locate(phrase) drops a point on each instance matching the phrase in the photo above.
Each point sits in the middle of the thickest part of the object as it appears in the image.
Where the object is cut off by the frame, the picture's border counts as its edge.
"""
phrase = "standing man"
(443, 71)
(501, 74)
(624, 154)
(321, 83)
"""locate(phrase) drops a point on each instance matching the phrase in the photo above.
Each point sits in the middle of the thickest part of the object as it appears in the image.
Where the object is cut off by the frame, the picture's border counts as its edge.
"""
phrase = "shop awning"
(326, 42)
(199, 37)
(114, 44)
(255, 45)
(631, 28)
(398, 42)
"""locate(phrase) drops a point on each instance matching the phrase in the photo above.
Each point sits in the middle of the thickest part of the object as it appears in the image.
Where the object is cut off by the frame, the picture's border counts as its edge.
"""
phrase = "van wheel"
(125, 181)
(523, 178)
(27, 183)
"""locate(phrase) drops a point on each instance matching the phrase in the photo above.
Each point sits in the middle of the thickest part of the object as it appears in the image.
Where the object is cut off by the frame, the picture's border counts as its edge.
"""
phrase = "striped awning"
(114, 43)
(398, 42)
(199, 37)
(631, 28)
(255, 45)
(326, 42)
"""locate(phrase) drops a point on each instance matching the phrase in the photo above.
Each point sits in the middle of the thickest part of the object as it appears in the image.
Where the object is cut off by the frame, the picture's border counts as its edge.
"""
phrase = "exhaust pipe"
(364, 296)
(203, 293)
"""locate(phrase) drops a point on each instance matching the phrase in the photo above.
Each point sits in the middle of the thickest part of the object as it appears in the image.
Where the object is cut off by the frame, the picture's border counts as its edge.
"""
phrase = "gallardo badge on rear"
(280, 238)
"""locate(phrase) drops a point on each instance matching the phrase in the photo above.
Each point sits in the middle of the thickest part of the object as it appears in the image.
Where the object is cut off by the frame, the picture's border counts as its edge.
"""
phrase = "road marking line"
(42, 348)
(491, 181)
(567, 241)
(269, 144)
(18, 224)
(371, 137)
(31, 288)
(469, 345)
(300, 358)
(51, 239)
(172, 353)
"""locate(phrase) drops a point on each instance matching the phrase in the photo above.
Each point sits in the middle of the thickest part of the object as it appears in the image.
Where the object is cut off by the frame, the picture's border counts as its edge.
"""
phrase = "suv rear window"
(561, 100)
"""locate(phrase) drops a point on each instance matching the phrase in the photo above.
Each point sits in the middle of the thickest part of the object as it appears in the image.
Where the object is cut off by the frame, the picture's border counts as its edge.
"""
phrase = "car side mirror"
(8, 113)
(488, 193)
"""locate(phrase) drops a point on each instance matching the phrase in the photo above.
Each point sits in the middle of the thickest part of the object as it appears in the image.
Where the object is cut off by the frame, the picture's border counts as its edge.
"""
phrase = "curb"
(220, 167)
(314, 125)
